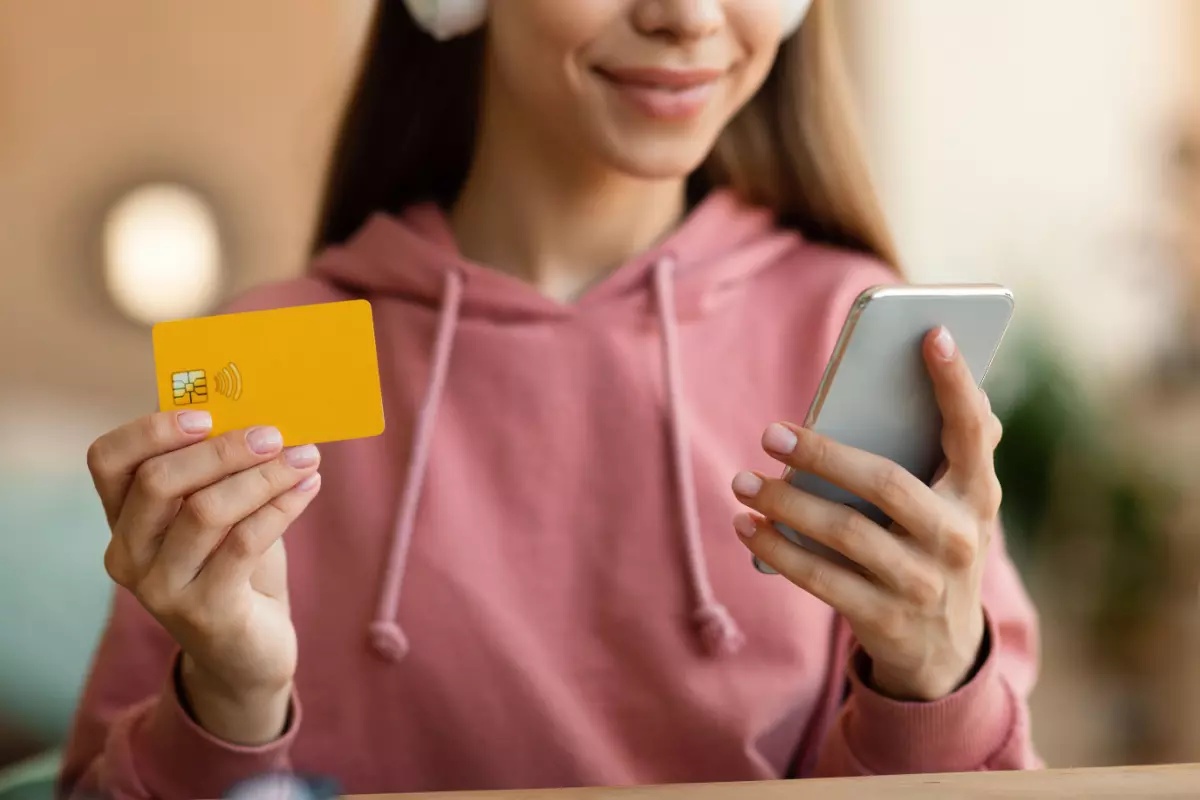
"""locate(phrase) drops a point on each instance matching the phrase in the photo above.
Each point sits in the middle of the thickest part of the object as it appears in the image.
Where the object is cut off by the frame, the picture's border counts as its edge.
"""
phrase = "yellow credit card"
(311, 371)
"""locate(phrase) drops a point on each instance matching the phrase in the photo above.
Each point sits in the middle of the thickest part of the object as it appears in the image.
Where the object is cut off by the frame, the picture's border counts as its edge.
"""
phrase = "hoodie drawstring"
(719, 632)
(386, 636)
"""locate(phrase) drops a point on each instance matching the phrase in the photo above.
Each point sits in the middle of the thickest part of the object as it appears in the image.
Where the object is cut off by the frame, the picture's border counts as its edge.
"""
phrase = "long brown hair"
(408, 134)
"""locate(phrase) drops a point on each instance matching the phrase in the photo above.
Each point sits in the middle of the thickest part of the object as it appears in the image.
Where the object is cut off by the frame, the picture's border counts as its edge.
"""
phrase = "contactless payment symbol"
(190, 388)
(229, 381)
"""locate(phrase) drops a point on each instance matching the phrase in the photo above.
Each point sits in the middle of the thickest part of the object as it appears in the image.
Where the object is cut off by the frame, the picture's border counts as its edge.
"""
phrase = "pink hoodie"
(531, 579)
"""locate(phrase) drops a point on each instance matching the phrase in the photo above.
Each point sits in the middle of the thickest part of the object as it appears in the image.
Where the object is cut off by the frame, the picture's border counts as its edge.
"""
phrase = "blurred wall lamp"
(162, 253)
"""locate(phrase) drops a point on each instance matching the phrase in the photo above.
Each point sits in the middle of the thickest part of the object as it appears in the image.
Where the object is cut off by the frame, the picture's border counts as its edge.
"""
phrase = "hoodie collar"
(721, 241)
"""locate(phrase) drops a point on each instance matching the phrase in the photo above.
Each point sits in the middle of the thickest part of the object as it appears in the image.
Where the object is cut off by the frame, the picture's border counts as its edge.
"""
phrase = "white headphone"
(446, 19)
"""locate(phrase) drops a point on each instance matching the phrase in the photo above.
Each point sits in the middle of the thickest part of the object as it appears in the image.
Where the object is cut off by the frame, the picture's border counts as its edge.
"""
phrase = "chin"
(658, 158)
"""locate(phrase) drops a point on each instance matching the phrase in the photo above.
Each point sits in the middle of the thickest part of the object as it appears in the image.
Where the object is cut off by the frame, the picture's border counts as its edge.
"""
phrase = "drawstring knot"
(388, 640)
(719, 634)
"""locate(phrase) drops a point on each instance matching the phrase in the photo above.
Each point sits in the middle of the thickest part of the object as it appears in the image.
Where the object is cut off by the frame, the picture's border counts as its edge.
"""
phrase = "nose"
(680, 19)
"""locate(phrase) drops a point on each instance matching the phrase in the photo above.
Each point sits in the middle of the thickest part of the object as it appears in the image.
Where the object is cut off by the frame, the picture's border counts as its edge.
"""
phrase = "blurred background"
(157, 156)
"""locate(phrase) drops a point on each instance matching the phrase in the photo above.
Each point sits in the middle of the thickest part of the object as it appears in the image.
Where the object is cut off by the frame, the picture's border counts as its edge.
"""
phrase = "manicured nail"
(264, 441)
(195, 421)
(744, 524)
(779, 439)
(309, 483)
(747, 484)
(303, 456)
(944, 343)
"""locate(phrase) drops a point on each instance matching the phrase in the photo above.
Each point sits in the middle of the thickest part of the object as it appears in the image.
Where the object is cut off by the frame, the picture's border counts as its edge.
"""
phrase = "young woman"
(609, 245)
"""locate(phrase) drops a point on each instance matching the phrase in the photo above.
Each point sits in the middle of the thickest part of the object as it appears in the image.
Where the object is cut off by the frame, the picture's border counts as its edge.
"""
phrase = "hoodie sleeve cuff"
(958, 733)
(178, 758)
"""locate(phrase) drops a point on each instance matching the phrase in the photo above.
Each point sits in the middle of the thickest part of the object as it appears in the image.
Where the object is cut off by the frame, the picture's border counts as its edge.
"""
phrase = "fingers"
(968, 426)
(235, 560)
(211, 516)
(160, 483)
(995, 429)
(883, 483)
(851, 594)
(194, 604)
(114, 457)
(888, 558)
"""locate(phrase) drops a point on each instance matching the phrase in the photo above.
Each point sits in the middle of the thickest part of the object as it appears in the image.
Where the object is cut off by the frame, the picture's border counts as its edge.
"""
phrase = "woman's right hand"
(196, 536)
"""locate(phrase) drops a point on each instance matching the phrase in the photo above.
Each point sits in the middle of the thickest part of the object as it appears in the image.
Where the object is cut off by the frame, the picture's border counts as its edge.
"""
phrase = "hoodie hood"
(408, 256)
(414, 257)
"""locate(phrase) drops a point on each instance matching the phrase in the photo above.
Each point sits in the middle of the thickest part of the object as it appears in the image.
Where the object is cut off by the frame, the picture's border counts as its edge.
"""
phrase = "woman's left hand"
(918, 613)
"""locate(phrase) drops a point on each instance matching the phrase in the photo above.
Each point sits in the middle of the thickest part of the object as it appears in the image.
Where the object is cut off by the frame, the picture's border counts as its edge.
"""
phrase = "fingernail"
(987, 401)
(944, 343)
(264, 441)
(779, 439)
(195, 421)
(303, 456)
(744, 524)
(309, 483)
(747, 484)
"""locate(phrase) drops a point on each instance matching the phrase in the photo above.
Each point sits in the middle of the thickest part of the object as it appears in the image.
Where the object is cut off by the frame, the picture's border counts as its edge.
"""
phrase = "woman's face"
(641, 86)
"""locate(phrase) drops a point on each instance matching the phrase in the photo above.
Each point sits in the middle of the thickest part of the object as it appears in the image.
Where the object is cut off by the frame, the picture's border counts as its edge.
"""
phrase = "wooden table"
(1134, 783)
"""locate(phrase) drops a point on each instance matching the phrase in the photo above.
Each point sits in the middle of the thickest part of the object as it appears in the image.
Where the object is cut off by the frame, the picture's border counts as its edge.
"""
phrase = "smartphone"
(876, 394)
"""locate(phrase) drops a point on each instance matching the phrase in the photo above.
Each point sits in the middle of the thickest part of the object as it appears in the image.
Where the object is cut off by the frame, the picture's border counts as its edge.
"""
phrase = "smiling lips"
(664, 94)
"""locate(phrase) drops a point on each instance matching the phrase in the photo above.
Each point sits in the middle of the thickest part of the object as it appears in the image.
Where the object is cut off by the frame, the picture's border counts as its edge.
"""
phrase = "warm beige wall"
(236, 96)
(1191, 46)
(1022, 141)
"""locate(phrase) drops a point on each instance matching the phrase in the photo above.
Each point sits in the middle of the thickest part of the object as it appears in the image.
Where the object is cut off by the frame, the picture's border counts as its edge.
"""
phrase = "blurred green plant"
(1075, 502)
(1040, 421)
